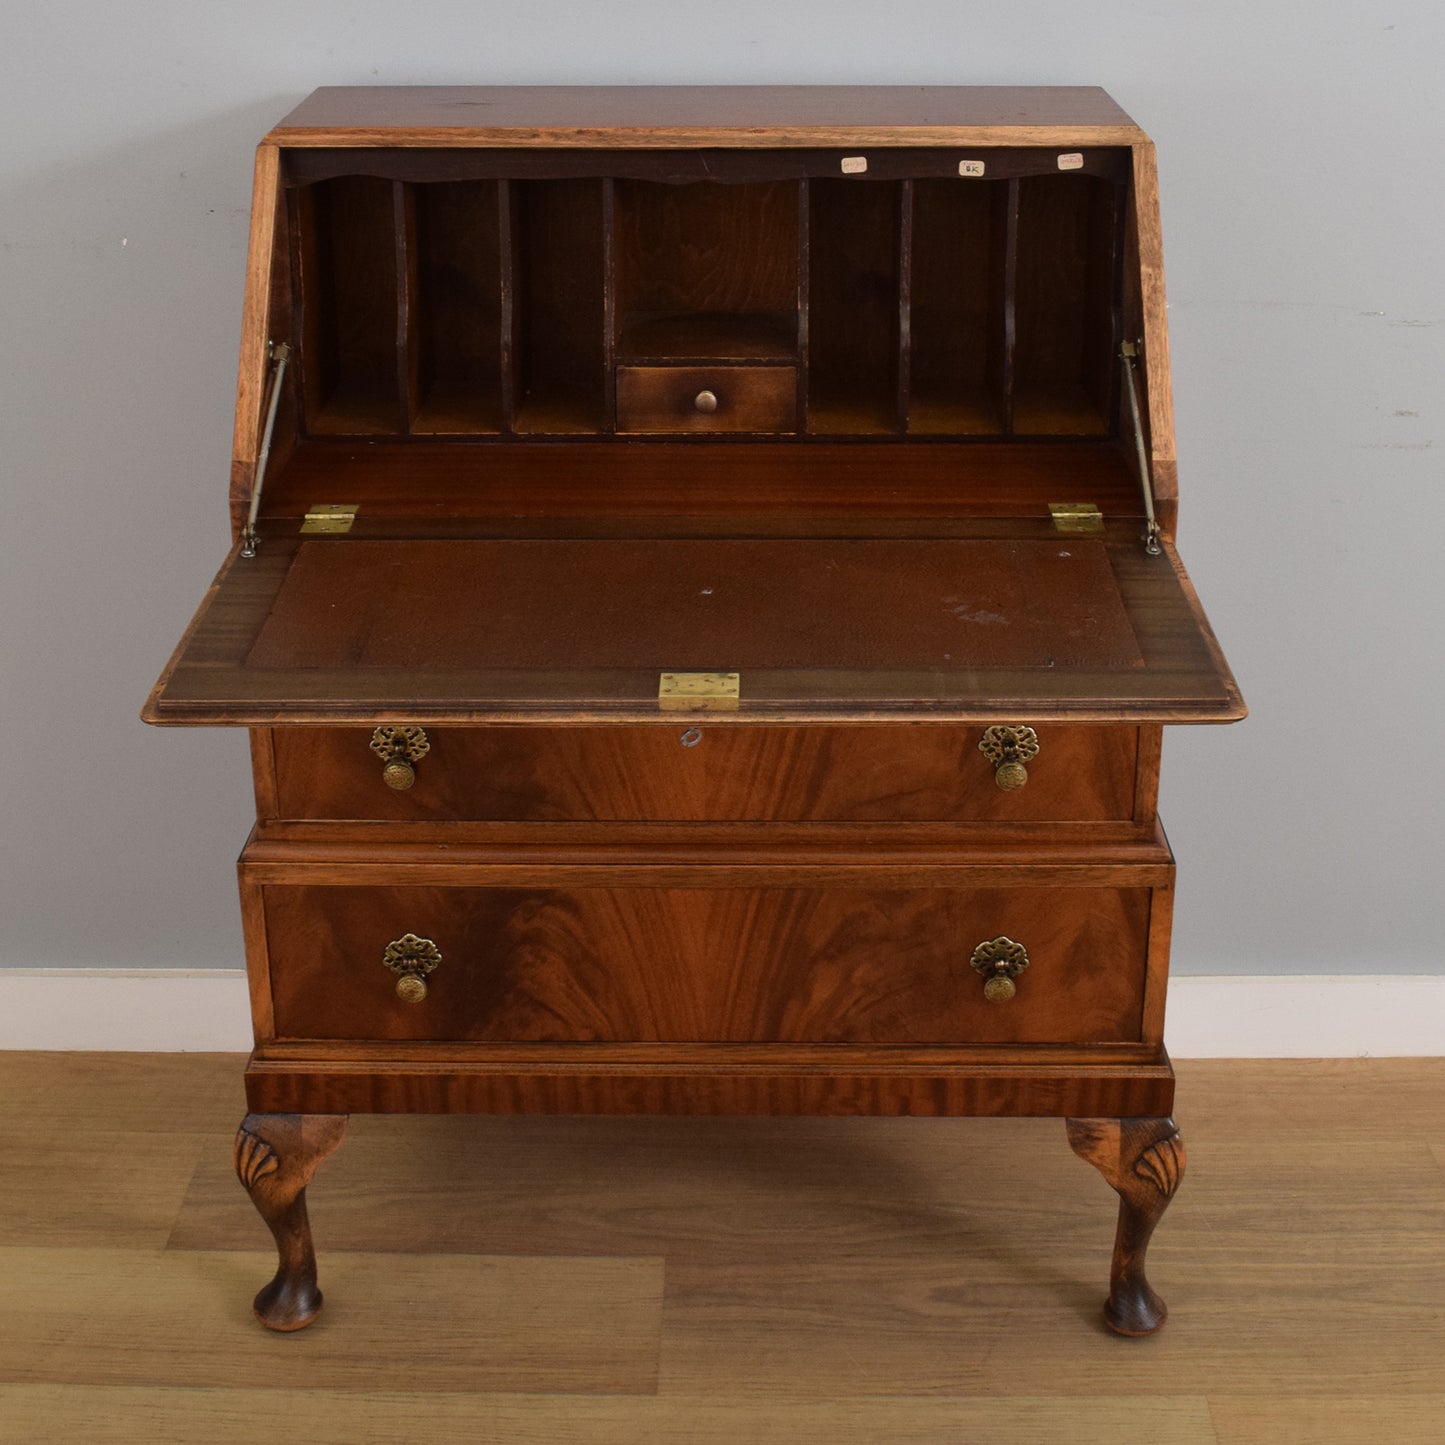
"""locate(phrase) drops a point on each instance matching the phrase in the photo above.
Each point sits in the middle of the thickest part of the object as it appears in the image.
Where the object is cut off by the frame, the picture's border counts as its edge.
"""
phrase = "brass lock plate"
(699, 691)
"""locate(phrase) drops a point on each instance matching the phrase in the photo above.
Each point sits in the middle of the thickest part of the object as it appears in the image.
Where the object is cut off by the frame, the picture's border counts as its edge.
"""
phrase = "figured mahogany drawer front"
(707, 399)
(818, 964)
(691, 771)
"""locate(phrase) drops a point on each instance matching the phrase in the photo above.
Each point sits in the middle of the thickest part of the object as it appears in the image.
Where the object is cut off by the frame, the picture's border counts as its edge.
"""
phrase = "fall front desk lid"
(320, 629)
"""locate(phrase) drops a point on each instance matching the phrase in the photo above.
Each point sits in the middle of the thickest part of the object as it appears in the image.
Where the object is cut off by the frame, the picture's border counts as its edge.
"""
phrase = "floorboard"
(47, 1415)
(730, 1281)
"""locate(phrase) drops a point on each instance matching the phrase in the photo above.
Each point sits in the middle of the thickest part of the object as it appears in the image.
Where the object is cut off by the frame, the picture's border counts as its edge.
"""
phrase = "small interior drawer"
(698, 771)
(707, 398)
(852, 962)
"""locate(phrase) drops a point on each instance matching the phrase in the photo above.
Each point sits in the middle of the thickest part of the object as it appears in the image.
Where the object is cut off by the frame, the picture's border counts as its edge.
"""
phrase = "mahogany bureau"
(704, 600)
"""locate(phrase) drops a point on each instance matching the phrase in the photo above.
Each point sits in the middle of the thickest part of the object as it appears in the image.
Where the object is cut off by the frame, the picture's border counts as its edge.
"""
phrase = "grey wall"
(1300, 148)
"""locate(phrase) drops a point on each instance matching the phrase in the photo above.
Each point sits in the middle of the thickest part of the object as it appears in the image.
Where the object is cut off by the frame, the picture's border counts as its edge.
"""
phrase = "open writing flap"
(1012, 620)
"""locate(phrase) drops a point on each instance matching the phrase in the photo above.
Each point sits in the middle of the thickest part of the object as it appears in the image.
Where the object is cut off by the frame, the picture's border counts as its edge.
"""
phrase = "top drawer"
(693, 772)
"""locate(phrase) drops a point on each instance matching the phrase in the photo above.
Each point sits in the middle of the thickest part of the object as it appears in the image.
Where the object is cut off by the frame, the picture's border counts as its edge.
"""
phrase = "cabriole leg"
(1143, 1161)
(276, 1155)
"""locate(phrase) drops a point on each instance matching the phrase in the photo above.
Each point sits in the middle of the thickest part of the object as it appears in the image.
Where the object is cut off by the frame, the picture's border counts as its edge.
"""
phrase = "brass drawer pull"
(705, 402)
(399, 749)
(1008, 749)
(999, 961)
(411, 959)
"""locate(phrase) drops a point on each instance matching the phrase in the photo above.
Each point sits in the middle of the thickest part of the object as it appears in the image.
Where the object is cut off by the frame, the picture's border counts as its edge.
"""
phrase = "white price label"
(1074, 161)
(854, 165)
(970, 168)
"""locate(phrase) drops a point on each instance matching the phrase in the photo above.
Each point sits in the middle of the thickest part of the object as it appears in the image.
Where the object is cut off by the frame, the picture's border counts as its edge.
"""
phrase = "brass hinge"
(1076, 517)
(330, 517)
(698, 691)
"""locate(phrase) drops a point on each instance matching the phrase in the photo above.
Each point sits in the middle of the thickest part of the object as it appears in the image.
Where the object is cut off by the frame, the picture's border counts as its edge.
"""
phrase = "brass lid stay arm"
(1128, 358)
(280, 354)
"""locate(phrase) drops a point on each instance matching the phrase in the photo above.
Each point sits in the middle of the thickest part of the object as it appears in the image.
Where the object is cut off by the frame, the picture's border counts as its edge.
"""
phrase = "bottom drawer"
(840, 963)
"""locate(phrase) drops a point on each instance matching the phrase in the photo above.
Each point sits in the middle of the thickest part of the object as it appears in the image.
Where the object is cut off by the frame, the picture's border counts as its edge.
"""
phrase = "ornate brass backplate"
(1008, 748)
(411, 959)
(399, 749)
(999, 961)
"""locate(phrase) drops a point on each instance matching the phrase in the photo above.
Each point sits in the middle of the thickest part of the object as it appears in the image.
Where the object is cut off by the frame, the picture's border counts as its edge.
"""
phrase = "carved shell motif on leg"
(1162, 1164)
(255, 1158)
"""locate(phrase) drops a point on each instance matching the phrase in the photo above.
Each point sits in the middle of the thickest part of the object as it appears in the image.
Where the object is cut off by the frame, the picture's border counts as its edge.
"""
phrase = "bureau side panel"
(1146, 786)
(258, 963)
(263, 772)
(1156, 979)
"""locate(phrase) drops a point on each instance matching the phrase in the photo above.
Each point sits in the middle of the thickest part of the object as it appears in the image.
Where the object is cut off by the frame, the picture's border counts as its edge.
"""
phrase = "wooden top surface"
(731, 115)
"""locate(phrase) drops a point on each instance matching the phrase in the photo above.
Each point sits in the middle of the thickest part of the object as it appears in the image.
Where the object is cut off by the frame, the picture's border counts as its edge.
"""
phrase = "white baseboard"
(1306, 1016)
(154, 1010)
(207, 1010)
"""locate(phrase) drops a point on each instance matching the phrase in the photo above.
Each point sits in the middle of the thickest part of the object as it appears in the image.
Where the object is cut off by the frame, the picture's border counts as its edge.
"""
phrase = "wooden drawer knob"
(411, 959)
(399, 749)
(705, 402)
(999, 961)
(1008, 749)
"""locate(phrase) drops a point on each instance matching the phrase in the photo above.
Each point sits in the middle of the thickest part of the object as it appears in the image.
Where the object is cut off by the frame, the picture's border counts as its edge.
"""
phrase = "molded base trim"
(559, 1084)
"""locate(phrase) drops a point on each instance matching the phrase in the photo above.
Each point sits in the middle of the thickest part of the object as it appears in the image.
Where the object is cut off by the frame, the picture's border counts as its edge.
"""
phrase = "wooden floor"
(732, 1281)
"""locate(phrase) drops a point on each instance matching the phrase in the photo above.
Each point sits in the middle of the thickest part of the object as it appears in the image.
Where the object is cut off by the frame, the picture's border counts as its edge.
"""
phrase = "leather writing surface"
(698, 604)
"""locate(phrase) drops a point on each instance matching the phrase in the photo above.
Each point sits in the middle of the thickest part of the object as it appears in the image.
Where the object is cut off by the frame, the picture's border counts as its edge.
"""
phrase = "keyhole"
(691, 738)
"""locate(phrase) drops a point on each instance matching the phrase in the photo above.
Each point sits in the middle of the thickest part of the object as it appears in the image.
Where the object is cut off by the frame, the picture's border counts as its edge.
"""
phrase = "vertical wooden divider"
(804, 241)
(1101, 300)
(507, 243)
(408, 349)
(1124, 204)
(1010, 296)
(609, 306)
(280, 326)
(905, 303)
(305, 324)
